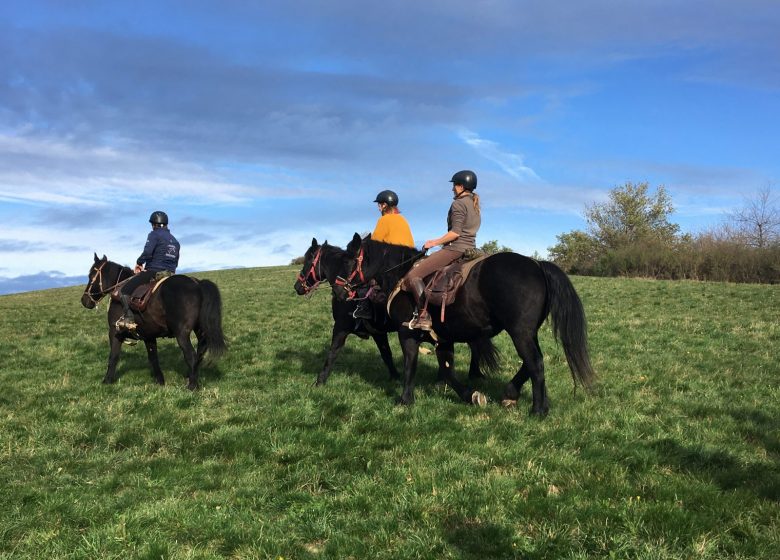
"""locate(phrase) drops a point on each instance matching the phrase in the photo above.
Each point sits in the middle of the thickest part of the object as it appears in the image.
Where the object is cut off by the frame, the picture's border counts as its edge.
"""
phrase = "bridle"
(358, 271)
(98, 277)
(315, 272)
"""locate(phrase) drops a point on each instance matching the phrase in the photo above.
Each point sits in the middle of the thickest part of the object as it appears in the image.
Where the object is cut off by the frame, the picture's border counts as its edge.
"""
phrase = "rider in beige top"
(463, 221)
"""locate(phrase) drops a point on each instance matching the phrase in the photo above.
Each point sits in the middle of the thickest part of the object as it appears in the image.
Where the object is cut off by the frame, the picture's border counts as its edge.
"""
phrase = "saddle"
(441, 287)
(140, 297)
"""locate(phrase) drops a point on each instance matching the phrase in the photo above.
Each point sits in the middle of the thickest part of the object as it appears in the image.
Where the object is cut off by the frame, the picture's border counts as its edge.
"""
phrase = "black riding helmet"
(388, 197)
(158, 218)
(466, 178)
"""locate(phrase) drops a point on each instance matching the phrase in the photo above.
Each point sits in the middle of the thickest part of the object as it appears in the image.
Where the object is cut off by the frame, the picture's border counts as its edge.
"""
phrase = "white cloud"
(513, 164)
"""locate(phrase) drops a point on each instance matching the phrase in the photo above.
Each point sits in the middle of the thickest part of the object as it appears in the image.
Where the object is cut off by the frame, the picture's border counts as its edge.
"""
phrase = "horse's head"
(311, 274)
(104, 276)
(93, 293)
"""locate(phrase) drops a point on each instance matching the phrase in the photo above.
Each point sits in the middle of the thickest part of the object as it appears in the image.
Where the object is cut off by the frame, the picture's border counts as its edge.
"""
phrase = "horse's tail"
(568, 323)
(211, 318)
(487, 353)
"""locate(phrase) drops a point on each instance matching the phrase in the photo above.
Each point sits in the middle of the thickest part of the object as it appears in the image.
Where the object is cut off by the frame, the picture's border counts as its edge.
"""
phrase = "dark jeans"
(143, 277)
(436, 261)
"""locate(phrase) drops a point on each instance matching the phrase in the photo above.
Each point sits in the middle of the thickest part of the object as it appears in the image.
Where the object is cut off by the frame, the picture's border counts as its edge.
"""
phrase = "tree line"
(631, 235)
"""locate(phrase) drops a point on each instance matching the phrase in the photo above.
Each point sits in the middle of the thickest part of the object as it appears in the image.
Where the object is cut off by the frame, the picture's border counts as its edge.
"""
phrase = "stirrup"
(124, 324)
(417, 323)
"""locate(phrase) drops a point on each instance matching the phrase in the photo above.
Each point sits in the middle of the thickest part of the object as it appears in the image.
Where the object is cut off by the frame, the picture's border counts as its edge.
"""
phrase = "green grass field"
(674, 456)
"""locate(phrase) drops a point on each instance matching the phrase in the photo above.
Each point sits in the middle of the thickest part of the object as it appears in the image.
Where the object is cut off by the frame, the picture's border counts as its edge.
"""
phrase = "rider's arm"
(446, 238)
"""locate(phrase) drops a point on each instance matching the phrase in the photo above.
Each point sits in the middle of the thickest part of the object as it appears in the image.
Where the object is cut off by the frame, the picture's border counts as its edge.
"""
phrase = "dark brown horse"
(329, 264)
(505, 292)
(181, 306)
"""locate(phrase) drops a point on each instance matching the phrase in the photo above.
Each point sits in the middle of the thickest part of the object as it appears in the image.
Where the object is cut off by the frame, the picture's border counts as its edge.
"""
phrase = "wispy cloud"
(512, 164)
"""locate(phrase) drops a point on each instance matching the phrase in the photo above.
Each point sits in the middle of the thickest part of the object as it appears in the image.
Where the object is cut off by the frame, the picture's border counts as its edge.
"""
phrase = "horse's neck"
(386, 263)
(333, 264)
(117, 272)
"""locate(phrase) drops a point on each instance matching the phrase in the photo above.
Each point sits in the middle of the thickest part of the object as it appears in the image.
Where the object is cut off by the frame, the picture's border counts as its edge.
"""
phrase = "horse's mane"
(387, 262)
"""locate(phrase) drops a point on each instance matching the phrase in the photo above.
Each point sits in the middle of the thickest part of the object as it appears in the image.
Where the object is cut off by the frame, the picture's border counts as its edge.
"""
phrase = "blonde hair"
(475, 198)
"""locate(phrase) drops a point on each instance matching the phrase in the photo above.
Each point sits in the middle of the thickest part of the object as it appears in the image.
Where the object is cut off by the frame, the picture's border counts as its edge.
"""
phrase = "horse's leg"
(337, 340)
(445, 354)
(183, 338)
(474, 371)
(528, 349)
(386, 353)
(203, 345)
(113, 357)
(410, 345)
(154, 362)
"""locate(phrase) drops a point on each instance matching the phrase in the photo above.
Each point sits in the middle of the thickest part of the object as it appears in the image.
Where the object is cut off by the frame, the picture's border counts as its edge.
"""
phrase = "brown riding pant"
(429, 265)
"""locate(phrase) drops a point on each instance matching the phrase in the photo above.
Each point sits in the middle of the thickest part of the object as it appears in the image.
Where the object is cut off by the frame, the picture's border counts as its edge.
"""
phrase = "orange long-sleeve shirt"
(393, 228)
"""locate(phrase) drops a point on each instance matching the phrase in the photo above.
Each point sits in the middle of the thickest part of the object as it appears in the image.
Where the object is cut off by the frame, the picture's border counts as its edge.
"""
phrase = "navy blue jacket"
(161, 251)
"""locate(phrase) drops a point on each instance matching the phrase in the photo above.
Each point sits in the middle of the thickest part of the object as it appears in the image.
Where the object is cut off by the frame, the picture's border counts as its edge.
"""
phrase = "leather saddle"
(140, 297)
(442, 287)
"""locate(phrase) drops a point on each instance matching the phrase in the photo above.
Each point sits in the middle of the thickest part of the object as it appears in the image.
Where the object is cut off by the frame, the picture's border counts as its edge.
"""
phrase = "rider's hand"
(138, 268)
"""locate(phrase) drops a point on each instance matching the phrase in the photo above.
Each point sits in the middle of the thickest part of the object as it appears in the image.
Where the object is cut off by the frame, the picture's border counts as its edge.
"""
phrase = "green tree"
(576, 252)
(632, 215)
(491, 247)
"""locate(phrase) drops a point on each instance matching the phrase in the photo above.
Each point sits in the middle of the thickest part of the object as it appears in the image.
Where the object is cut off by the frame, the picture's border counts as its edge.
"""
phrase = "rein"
(98, 277)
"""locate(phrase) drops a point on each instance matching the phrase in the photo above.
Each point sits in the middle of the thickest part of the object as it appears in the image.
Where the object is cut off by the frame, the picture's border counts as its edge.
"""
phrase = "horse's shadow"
(134, 361)
(362, 360)
(729, 472)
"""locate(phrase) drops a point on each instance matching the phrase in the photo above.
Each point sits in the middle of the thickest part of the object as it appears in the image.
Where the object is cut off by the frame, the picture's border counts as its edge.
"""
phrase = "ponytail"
(475, 198)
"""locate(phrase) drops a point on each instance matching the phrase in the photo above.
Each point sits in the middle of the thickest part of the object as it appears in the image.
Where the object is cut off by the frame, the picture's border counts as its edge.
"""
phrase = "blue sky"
(257, 126)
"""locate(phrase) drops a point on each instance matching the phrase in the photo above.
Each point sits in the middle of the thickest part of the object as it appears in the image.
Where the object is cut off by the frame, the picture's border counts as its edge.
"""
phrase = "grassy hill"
(675, 456)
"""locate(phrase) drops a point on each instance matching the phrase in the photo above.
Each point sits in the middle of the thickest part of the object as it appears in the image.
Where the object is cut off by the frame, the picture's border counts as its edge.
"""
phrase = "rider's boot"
(127, 320)
(421, 319)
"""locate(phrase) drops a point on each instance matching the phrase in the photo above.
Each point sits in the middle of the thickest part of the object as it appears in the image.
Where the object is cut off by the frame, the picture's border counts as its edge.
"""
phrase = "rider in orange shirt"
(392, 228)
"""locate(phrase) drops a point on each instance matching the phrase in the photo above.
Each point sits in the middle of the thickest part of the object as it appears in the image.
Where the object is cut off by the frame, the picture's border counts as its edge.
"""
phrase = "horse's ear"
(96, 258)
(354, 245)
(104, 258)
(314, 242)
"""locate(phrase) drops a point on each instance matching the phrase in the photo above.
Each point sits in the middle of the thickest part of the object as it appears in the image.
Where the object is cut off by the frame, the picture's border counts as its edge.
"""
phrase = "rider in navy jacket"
(161, 251)
(160, 254)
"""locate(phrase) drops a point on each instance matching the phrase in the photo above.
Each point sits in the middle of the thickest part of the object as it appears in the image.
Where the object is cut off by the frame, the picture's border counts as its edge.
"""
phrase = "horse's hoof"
(107, 381)
(478, 399)
(508, 403)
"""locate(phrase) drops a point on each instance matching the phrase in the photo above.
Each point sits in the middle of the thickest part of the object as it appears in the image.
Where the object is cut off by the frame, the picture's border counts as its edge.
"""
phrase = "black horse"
(504, 292)
(328, 263)
(180, 306)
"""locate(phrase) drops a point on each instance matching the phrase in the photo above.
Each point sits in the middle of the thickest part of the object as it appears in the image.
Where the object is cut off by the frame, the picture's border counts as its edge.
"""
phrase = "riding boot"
(421, 320)
(127, 320)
